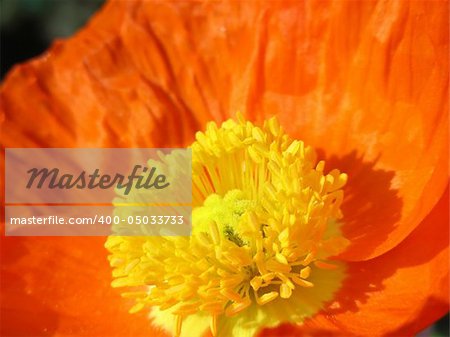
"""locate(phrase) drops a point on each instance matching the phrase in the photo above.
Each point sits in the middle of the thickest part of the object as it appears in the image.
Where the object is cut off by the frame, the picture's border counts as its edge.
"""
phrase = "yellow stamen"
(265, 223)
(305, 272)
(178, 324)
(214, 325)
(285, 291)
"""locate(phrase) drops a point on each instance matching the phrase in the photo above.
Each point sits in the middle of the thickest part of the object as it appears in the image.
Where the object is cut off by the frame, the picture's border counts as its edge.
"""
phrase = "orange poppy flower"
(364, 83)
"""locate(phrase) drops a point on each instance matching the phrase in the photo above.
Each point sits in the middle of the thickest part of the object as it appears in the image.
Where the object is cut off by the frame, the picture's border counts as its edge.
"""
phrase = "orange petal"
(399, 293)
(367, 80)
(369, 77)
(61, 287)
(112, 85)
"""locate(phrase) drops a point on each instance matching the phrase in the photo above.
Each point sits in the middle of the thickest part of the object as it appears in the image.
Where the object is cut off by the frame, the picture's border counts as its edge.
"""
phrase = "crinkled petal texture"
(364, 82)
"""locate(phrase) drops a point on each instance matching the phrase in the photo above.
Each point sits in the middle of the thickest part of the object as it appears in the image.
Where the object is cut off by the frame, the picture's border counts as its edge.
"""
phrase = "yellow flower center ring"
(265, 225)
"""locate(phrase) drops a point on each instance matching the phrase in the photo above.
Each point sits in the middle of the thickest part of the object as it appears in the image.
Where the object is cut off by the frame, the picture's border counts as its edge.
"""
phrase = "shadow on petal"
(371, 207)
(397, 294)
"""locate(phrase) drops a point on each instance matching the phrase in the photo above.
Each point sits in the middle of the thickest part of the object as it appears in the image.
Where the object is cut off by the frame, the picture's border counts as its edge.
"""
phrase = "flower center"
(225, 213)
(265, 224)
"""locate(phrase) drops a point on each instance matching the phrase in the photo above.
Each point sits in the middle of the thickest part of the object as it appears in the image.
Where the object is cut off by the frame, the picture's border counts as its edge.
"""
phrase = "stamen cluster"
(265, 218)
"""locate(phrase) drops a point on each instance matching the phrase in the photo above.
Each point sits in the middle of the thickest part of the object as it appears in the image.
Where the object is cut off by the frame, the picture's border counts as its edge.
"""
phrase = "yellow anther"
(305, 272)
(285, 291)
(230, 294)
(237, 307)
(281, 258)
(266, 298)
(256, 282)
(301, 282)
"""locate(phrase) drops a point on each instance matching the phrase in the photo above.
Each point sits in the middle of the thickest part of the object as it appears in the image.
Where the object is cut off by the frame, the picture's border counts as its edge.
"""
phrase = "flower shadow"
(373, 282)
(371, 207)
(368, 277)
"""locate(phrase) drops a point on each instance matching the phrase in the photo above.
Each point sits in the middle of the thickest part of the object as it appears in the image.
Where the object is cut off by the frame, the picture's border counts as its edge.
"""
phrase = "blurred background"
(27, 29)
(29, 26)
